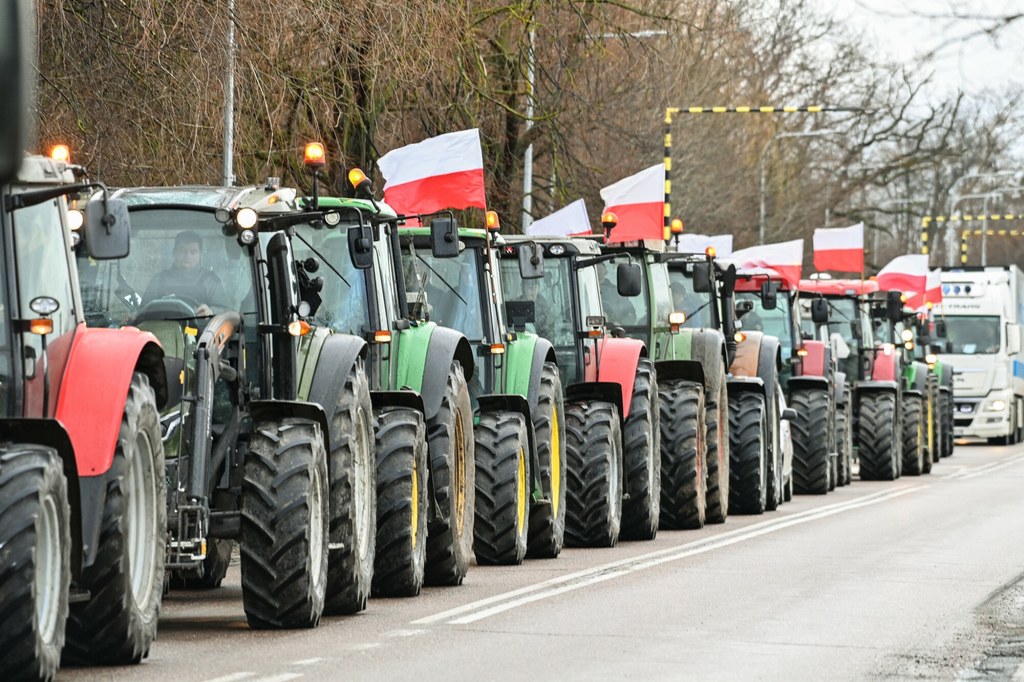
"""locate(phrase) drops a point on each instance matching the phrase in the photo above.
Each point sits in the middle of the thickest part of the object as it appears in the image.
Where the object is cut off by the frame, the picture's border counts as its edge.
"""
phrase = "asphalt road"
(910, 579)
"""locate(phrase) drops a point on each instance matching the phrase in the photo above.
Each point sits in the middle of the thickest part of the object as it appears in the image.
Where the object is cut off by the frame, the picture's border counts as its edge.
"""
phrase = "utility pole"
(227, 167)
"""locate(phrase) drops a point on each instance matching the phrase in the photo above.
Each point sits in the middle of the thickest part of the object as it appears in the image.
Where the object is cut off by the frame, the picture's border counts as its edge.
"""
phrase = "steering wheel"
(170, 307)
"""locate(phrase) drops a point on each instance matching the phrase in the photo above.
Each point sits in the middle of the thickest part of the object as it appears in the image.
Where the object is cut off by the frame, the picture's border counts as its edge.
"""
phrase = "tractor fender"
(99, 371)
(445, 345)
(769, 360)
(275, 410)
(526, 357)
(816, 361)
(513, 402)
(708, 348)
(617, 364)
(603, 391)
(736, 385)
(687, 370)
(338, 355)
(407, 399)
(820, 383)
(945, 375)
(875, 387)
(917, 377)
(885, 366)
(748, 352)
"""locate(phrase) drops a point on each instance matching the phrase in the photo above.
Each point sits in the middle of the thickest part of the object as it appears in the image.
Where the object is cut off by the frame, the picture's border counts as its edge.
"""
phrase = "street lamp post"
(764, 188)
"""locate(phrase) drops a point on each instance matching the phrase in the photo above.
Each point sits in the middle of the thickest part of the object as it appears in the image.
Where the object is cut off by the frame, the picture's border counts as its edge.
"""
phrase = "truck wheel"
(502, 489)
(946, 408)
(810, 446)
(748, 451)
(401, 503)
(876, 437)
(914, 426)
(718, 456)
(118, 623)
(35, 534)
(452, 473)
(351, 467)
(593, 491)
(684, 448)
(641, 457)
(285, 525)
(547, 520)
(843, 445)
(215, 567)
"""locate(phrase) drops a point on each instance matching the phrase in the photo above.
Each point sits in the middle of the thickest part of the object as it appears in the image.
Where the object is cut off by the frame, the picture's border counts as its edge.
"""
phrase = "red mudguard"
(94, 391)
(813, 363)
(884, 366)
(618, 362)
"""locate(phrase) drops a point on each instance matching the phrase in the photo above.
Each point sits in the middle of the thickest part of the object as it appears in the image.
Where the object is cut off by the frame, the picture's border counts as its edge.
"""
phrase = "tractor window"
(344, 306)
(697, 307)
(551, 296)
(662, 290)
(590, 293)
(630, 312)
(777, 322)
(448, 289)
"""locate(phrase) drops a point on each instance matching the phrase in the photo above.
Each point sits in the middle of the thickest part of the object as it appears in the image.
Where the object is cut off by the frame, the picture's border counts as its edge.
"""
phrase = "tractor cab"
(850, 329)
(766, 303)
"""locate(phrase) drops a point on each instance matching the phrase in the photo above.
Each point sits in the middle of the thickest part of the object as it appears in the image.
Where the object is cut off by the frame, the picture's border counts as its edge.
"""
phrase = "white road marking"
(363, 647)
(233, 677)
(404, 633)
(280, 677)
(722, 539)
(306, 661)
(989, 468)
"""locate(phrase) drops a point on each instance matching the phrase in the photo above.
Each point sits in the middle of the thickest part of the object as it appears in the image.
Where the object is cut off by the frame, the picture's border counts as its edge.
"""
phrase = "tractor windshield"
(181, 265)
(447, 289)
(697, 307)
(777, 322)
(632, 313)
(344, 305)
(842, 321)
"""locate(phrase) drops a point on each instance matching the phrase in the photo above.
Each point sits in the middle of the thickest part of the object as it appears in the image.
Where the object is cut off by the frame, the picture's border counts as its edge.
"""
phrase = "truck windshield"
(973, 334)
(697, 307)
(632, 313)
(344, 305)
(447, 288)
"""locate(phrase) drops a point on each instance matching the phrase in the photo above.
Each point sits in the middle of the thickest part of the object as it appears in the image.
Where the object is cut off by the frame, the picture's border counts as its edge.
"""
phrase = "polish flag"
(785, 258)
(840, 249)
(438, 173)
(908, 274)
(932, 292)
(570, 220)
(639, 203)
(699, 243)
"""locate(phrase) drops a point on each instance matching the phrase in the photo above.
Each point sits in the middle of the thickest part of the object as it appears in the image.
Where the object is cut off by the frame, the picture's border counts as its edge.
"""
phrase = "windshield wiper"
(705, 305)
(323, 258)
(441, 277)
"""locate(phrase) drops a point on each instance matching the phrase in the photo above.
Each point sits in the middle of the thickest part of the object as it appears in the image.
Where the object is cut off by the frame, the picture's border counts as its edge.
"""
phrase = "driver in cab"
(186, 279)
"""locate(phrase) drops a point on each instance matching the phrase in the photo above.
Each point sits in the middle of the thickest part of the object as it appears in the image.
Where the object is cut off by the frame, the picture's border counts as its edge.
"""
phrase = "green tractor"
(269, 426)
(931, 340)
(419, 374)
(688, 368)
(453, 279)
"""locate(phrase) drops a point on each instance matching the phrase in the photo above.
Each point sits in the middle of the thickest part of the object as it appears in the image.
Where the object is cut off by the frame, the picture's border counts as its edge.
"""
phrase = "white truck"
(983, 310)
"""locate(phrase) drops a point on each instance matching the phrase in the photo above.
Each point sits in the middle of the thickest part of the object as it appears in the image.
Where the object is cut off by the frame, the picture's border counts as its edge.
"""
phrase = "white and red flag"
(840, 249)
(932, 292)
(438, 173)
(785, 258)
(570, 220)
(639, 203)
(699, 243)
(908, 274)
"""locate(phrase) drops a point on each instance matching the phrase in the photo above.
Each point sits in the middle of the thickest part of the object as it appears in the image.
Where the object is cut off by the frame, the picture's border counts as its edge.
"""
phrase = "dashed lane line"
(233, 677)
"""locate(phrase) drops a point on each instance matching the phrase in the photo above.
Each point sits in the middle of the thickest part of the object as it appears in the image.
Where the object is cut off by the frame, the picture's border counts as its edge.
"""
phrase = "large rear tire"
(718, 457)
(547, 519)
(684, 449)
(748, 450)
(502, 489)
(946, 411)
(453, 483)
(118, 623)
(401, 557)
(593, 449)
(35, 541)
(810, 444)
(913, 434)
(877, 435)
(351, 465)
(285, 525)
(641, 457)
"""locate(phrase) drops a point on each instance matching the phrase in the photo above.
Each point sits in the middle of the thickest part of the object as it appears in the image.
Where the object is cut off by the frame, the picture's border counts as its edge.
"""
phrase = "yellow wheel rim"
(556, 462)
(521, 492)
(414, 525)
(459, 473)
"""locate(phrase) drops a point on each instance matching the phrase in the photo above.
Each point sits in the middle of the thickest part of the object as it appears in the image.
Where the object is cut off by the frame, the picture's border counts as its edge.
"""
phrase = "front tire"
(547, 520)
(502, 489)
(913, 434)
(641, 457)
(748, 450)
(810, 444)
(35, 541)
(593, 448)
(118, 623)
(684, 449)
(876, 437)
(285, 526)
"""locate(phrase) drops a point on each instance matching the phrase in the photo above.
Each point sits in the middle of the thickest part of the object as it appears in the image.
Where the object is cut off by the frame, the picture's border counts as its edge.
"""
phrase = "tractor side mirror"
(819, 311)
(444, 238)
(360, 246)
(531, 260)
(17, 80)
(627, 279)
(520, 313)
(702, 277)
(769, 296)
(107, 233)
(743, 307)
(940, 329)
(894, 306)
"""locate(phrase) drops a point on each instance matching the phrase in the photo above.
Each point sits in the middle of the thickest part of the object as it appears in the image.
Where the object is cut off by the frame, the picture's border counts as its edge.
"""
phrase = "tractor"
(600, 375)
(931, 341)
(82, 528)
(269, 429)
(516, 390)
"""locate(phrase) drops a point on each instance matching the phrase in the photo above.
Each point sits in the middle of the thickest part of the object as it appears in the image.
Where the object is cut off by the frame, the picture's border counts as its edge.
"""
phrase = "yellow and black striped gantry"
(968, 219)
(672, 111)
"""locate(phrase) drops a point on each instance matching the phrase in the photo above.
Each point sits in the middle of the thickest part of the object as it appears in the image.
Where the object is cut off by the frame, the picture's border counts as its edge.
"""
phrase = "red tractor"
(82, 501)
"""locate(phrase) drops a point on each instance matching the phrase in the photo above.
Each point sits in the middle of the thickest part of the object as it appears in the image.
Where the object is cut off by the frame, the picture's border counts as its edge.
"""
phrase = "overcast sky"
(975, 64)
